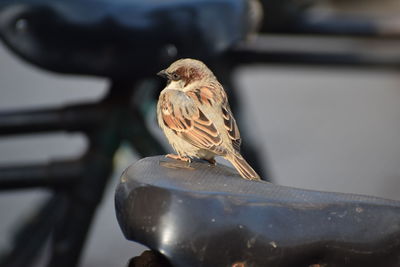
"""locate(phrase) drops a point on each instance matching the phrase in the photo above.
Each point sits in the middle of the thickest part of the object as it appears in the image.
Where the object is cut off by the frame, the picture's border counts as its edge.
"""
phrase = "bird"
(194, 114)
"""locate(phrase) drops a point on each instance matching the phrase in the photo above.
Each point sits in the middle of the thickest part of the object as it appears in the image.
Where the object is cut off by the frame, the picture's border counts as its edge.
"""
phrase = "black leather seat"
(199, 215)
(118, 38)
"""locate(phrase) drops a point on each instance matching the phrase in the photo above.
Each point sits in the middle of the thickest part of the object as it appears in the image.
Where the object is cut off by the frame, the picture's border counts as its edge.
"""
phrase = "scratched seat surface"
(201, 215)
(110, 38)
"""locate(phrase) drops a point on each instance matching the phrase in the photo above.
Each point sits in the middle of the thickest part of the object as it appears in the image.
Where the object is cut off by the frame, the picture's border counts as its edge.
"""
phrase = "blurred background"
(327, 123)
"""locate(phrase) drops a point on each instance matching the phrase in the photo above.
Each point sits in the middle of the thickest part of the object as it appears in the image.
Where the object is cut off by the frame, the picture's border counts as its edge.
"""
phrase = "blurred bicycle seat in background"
(117, 38)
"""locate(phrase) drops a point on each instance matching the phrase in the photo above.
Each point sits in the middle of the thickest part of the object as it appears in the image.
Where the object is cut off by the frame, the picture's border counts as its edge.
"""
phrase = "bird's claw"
(211, 161)
(177, 157)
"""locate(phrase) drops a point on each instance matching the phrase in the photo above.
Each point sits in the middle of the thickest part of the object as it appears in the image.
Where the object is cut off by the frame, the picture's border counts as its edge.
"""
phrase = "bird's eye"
(175, 76)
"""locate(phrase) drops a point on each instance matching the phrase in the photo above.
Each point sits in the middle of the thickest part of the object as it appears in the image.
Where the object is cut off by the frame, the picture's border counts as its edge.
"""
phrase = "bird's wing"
(181, 114)
(213, 96)
(231, 126)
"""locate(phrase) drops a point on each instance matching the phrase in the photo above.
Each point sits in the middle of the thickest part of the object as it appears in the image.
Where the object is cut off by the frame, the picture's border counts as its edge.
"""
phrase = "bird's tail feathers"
(241, 165)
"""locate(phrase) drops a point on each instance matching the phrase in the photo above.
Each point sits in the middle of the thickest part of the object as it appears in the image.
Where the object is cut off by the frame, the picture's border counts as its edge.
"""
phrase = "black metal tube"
(79, 117)
(82, 200)
(47, 175)
(29, 238)
(336, 24)
(319, 51)
(299, 17)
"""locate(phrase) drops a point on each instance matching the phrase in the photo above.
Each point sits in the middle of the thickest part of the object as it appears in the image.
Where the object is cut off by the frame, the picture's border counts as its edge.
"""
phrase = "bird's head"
(184, 72)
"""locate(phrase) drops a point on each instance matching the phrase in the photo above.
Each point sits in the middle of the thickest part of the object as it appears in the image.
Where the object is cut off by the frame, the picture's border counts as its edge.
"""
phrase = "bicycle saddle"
(118, 38)
(201, 215)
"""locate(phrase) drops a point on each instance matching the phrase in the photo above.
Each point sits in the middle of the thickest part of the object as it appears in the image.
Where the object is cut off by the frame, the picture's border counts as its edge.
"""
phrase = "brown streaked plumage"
(194, 113)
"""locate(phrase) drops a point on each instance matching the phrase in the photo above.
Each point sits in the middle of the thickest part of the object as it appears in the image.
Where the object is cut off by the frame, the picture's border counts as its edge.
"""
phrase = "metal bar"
(311, 17)
(319, 51)
(30, 238)
(55, 175)
(142, 140)
(79, 117)
(135, 129)
(334, 25)
(338, 24)
(71, 231)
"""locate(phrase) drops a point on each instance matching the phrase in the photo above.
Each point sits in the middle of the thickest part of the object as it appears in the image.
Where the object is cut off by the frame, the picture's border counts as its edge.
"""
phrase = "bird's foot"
(212, 161)
(173, 156)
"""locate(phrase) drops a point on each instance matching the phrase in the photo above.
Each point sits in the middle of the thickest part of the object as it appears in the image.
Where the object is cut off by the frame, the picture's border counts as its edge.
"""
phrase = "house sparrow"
(194, 113)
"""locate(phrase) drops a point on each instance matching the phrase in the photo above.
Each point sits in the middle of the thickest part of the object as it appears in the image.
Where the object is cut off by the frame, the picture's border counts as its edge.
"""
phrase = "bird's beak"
(163, 74)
